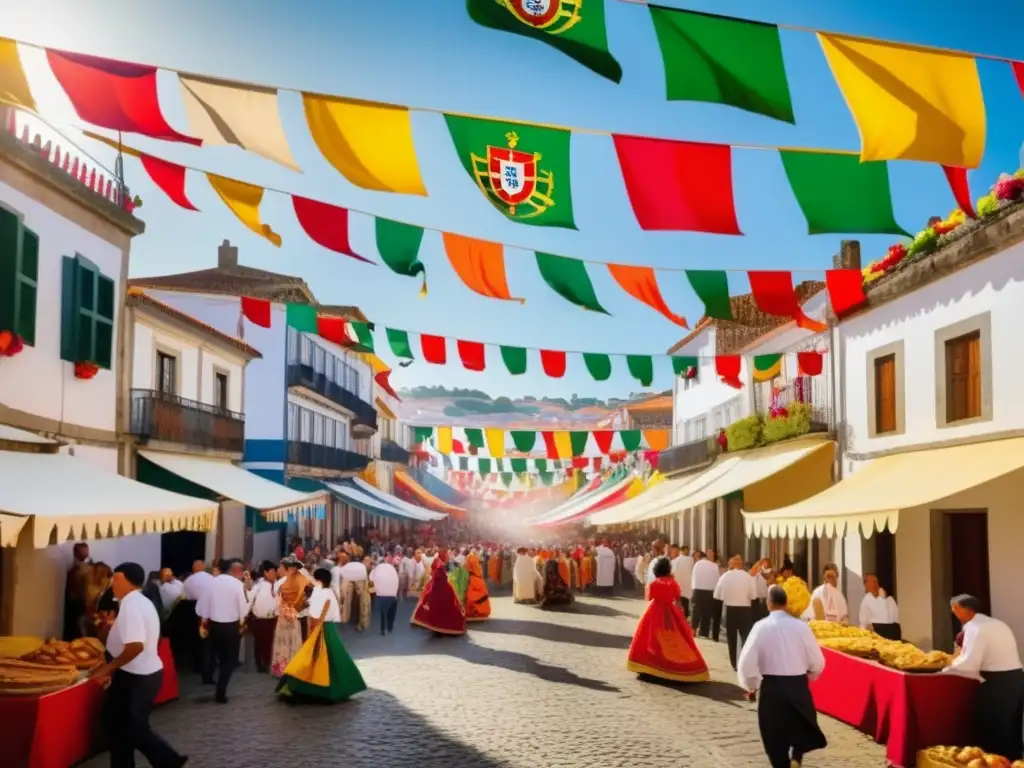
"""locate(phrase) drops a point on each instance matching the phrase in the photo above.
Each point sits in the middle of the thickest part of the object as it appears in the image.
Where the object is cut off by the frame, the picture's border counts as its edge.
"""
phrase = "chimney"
(848, 256)
(227, 255)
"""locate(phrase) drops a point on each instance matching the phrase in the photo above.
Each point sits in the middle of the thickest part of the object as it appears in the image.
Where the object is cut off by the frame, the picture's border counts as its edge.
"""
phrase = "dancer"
(477, 602)
(322, 671)
(526, 581)
(459, 579)
(663, 645)
(556, 592)
(439, 609)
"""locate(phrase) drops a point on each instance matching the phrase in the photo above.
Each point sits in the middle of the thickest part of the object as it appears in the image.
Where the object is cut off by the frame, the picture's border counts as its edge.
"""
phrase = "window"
(305, 425)
(19, 273)
(319, 421)
(293, 421)
(220, 391)
(963, 377)
(341, 434)
(87, 313)
(166, 373)
(885, 394)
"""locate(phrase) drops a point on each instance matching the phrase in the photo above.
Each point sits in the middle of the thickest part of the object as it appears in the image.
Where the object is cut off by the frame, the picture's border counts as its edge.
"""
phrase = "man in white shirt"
(222, 609)
(736, 591)
(171, 589)
(827, 602)
(762, 578)
(990, 653)
(134, 675)
(354, 591)
(263, 615)
(703, 580)
(878, 611)
(682, 570)
(777, 661)
(385, 586)
(197, 582)
(604, 569)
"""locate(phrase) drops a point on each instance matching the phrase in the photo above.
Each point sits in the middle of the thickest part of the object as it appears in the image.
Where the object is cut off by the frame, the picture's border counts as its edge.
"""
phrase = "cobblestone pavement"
(526, 688)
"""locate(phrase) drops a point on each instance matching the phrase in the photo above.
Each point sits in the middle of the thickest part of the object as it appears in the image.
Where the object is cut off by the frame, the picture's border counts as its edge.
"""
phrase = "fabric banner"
(14, 88)
(169, 177)
(326, 225)
(598, 366)
(479, 264)
(399, 247)
(712, 288)
(495, 442)
(642, 284)
(514, 359)
(244, 201)
(766, 367)
(641, 368)
(774, 295)
(570, 280)
(553, 363)
(400, 345)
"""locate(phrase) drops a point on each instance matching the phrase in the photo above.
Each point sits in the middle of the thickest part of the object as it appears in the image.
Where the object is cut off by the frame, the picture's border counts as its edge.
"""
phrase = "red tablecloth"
(905, 711)
(53, 731)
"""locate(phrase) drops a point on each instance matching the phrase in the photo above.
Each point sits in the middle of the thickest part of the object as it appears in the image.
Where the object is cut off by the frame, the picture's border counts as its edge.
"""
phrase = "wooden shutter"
(885, 394)
(10, 229)
(103, 335)
(974, 376)
(19, 275)
(69, 310)
(963, 377)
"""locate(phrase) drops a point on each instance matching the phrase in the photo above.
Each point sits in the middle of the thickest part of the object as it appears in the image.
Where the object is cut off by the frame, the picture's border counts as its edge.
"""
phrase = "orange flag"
(480, 264)
(657, 439)
(642, 285)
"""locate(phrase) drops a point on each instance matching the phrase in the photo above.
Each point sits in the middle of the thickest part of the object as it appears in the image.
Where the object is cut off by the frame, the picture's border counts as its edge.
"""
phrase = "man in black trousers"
(134, 675)
(736, 590)
(222, 609)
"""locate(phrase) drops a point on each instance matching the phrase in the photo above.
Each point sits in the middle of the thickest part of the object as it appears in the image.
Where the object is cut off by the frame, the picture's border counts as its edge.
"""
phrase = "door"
(178, 550)
(968, 543)
(885, 562)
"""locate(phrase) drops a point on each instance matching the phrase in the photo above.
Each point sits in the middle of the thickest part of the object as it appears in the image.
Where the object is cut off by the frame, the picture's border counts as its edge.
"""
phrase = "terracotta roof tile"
(137, 298)
(233, 281)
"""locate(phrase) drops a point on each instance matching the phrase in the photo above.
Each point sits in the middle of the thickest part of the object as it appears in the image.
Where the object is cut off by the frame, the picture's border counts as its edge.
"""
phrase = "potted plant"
(10, 344)
(85, 369)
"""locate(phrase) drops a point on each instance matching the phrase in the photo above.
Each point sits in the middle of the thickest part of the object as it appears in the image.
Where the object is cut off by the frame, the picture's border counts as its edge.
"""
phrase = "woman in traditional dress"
(291, 588)
(477, 602)
(322, 671)
(439, 609)
(459, 579)
(556, 592)
(663, 645)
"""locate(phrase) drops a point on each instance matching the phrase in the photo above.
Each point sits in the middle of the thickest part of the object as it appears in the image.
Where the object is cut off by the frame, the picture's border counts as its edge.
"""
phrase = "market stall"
(891, 692)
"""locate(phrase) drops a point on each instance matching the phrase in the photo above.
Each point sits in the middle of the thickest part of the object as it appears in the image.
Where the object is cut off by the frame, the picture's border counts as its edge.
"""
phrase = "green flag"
(522, 169)
(514, 359)
(475, 437)
(574, 27)
(569, 279)
(507, 478)
(518, 466)
(483, 467)
(839, 194)
(578, 440)
(599, 366)
(364, 336)
(546, 477)
(301, 317)
(541, 465)
(641, 368)
(767, 367)
(682, 362)
(399, 247)
(524, 441)
(630, 439)
(723, 61)
(422, 434)
(712, 288)
(398, 340)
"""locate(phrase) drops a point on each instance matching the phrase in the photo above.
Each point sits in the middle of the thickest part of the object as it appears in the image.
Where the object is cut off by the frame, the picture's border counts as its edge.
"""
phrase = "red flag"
(333, 329)
(679, 185)
(326, 225)
(845, 290)
(774, 295)
(597, 463)
(472, 355)
(549, 444)
(604, 438)
(728, 368)
(458, 447)
(957, 178)
(580, 462)
(113, 94)
(1018, 71)
(810, 363)
(170, 177)
(434, 350)
(256, 311)
(385, 383)
(553, 363)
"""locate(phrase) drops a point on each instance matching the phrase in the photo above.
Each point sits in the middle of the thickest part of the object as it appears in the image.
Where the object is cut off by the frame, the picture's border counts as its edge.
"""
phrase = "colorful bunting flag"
(169, 177)
(712, 288)
(563, 24)
(840, 194)
(519, 466)
(399, 247)
(434, 349)
(325, 224)
(369, 144)
(400, 345)
(301, 317)
(957, 179)
(766, 367)
(444, 440)
(578, 442)
(553, 363)
(728, 368)
(774, 295)
(910, 103)
(657, 439)
(222, 113)
(113, 94)
(642, 284)
(603, 438)
(810, 363)
(524, 440)
(680, 186)
(570, 280)
(14, 88)
(845, 290)
(472, 355)
(422, 434)
(495, 442)
(720, 60)
(541, 465)
(479, 264)
(514, 359)
(599, 366)
(682, 363)
(475, 437)
(641, 368)
(363, 336)
(563, 445)
(256, 311)
(333, 329)
(630, 439)
(523, 170)
(507, 478)
(244, 201)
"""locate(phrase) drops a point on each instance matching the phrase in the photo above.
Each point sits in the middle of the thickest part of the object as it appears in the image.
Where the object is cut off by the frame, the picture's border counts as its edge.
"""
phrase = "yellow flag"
(14, 90)
(244, 201)
(495, 442)
(369, 144)
(563, 444)
(444, 440)
(910, 103)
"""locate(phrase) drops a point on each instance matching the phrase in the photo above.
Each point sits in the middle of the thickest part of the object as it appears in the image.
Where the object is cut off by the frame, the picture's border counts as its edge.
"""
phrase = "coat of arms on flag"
(511, 178)
(551, 16)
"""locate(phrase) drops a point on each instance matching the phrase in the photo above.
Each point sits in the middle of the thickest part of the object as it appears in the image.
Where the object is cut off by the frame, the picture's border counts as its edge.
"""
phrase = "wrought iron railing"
(812, 391)
(364, 416)
(162, 416)
(392, 451)
(325, 457)
(680, 458)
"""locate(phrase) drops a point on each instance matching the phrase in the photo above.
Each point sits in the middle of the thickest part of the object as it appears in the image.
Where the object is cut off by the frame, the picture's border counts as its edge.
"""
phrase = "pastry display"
(867, 645)
(19, 677)
(84, 653)
(798, 596)
(963, 757)
(18, 647)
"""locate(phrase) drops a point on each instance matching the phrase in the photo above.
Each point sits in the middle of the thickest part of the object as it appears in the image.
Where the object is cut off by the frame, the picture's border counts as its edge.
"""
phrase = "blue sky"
(430, 54)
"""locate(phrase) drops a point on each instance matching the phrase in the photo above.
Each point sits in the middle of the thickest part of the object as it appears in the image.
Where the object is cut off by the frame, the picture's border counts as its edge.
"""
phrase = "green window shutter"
(69, 310)
(26, 288)
(85, 306)
(10, 229)
(104, 322)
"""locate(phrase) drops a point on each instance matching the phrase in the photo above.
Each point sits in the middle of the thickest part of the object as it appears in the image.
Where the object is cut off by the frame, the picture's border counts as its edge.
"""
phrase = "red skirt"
(439, 609)
(663, 646)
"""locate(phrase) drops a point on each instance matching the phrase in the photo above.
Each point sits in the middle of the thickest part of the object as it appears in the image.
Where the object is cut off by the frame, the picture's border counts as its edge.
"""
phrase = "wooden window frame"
(225, 376)
(158, 378)
(19, 278)
(897, 351)
(878, 415)
(982, 325)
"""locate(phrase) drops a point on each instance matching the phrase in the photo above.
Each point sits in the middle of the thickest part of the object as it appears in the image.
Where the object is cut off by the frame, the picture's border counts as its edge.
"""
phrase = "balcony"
(811, 391)
(688, 456)
(325, 457)
(169, 418)
(392, 451)
(364, 417)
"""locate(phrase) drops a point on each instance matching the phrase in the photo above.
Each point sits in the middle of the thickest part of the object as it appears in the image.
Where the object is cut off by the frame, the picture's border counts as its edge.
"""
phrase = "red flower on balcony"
(723, 440)
(10, 344)
(691, 372)
(85, 370)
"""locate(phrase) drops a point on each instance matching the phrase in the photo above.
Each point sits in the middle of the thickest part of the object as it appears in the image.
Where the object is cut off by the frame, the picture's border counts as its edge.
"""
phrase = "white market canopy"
(232, 482)
(79, 500)
(412, 511)
(373, 501)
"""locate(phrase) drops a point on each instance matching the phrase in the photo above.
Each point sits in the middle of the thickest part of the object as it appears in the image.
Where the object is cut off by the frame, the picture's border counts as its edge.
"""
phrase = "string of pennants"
(557, 445)
(523, 169)
(360, 336)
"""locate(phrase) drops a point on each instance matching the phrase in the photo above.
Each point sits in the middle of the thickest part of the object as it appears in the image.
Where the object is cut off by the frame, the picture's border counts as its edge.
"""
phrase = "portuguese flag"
(575, 27)
(522, 169)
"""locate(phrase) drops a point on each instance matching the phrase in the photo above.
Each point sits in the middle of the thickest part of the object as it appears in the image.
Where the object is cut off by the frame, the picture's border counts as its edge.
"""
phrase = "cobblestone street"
(526, 688)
